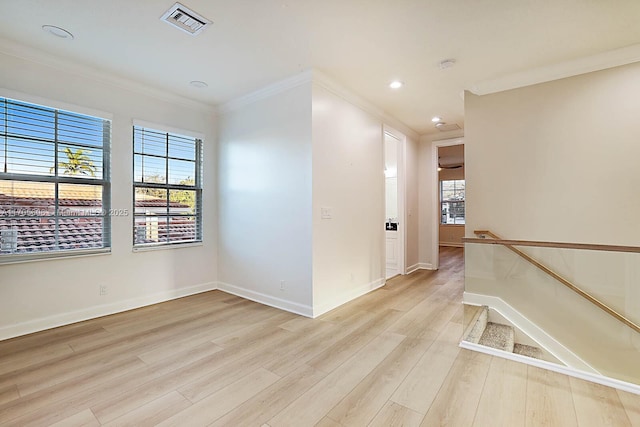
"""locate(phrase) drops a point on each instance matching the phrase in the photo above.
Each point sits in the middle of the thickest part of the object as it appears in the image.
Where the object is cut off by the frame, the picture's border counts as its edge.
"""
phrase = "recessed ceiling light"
(436, 119)
(58, 32)
(199, 84)
(396, 84)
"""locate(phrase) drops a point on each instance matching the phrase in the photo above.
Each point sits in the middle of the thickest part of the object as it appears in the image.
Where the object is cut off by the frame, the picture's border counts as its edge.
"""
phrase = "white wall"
(284, 154)
(43, 294)
(451, 235)
(557, 161)
(265, 200)
(348, 178)
(412, 211)
(427, 189)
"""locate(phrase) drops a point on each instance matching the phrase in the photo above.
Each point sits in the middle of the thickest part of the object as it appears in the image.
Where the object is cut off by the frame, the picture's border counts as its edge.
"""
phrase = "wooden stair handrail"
(560, 245)
(509, 244)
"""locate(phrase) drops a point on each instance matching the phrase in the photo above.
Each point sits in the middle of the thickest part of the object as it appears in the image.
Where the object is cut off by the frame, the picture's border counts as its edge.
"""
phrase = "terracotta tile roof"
(28, 211)
(24, 193)
(38, 234)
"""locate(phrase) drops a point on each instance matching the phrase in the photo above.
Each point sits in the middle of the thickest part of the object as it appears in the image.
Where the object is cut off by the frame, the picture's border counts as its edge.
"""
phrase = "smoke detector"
(447, 63)
(199, 84)
(185, 19)
(58, 32)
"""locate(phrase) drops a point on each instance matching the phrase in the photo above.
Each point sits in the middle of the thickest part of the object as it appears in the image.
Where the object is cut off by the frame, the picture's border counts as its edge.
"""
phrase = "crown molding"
(341, 91)
(574, 67)
(37, 56)
(266, 92)
(319, 78)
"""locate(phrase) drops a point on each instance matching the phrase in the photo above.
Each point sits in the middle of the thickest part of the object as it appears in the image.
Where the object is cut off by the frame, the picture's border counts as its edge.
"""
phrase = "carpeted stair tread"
(527, 350)
(479, 326)
(498, 336)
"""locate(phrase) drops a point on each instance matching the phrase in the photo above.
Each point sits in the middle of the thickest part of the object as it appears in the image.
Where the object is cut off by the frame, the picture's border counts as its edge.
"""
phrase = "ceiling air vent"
(444, 127)
(185, 19)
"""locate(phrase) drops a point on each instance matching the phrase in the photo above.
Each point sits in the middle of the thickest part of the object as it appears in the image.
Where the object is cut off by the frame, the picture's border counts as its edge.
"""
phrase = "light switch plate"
(326, 213)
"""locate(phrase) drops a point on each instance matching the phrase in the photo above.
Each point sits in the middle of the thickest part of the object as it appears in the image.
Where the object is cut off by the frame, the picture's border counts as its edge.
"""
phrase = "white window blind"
(167, 188)
(54, 182)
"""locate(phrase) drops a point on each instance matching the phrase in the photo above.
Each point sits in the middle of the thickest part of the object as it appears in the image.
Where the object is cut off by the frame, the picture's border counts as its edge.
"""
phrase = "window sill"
(163, 247)
(21, 259)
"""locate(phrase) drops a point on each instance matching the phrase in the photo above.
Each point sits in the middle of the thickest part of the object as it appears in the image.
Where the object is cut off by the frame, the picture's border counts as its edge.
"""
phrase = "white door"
(392, 253)
(394, 208)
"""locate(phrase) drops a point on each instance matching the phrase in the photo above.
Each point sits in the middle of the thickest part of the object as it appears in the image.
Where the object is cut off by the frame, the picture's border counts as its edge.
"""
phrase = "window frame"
(37, 103)
(197, 187)
(442, 201)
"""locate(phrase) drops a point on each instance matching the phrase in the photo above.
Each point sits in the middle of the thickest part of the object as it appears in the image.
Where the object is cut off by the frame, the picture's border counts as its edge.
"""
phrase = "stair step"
(527, 350)
(498, 336)
(479, 326)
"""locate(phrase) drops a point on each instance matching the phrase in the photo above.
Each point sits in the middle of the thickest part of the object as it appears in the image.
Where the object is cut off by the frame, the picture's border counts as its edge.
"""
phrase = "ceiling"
(362, 44)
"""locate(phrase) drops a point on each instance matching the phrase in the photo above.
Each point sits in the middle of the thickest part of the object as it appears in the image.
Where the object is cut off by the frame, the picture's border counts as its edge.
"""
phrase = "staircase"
(498, 336)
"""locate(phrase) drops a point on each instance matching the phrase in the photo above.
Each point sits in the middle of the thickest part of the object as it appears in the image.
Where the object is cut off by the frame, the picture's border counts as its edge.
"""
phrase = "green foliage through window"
(54, 181)
(167, 187)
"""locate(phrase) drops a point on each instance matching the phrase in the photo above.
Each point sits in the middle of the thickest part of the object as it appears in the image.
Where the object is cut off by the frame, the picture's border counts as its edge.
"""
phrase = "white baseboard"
(543, 339)
(55, 321)
(282, 304)
(346, 297)
(413, 268)
(419, 266)
(566, 370)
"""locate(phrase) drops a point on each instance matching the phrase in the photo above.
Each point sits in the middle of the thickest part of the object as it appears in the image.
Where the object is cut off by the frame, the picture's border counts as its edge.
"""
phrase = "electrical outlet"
(103, 290)
(282, 285)
(326, 213)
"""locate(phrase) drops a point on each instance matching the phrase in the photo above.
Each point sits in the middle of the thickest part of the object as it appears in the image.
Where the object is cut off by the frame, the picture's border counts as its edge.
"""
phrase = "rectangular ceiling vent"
(444, 127)
(185, 19)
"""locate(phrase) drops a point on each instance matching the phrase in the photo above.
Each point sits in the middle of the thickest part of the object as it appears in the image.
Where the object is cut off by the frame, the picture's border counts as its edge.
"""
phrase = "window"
(54, 182)
(167, 188)
(452, 202)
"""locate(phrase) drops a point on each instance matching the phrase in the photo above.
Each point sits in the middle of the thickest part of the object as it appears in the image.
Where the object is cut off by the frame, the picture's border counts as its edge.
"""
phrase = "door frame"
(402, 218)
(435, 230)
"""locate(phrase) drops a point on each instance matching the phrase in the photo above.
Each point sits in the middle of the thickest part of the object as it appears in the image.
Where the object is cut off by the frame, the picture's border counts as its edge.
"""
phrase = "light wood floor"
(388, 358)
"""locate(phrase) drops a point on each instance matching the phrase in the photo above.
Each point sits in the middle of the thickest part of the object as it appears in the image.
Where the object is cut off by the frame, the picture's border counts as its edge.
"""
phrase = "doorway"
(448, 227)
(394, 222)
